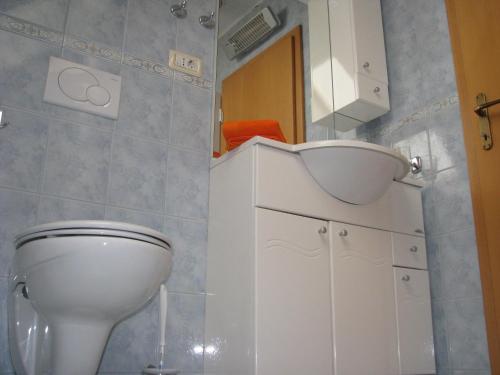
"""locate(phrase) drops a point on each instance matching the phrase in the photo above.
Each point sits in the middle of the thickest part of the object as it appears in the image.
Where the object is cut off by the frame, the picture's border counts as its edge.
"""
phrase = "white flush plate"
(82, 88)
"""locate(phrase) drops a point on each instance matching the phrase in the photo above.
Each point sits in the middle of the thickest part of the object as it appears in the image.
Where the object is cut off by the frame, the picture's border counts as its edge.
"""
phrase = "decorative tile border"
(99, 50)
(423, 113)
(147, 65)
(30, 30)
(92, 48)
(195, 81)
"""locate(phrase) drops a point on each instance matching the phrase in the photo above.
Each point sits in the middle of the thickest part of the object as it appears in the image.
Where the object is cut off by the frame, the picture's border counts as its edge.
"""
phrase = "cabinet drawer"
(414, 319)
(409, 251)
(373, 92)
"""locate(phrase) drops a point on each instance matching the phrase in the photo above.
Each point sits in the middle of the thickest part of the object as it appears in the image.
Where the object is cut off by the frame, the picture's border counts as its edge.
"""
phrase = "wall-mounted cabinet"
(356, 59)
(299, 282)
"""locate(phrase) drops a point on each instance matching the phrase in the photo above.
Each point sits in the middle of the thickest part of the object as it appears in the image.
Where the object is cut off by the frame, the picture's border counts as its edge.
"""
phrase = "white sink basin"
(353, 171)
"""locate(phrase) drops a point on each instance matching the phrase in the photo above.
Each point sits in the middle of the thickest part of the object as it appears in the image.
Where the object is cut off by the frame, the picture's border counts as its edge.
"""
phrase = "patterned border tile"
(195, 81)
(30, 30)
(147, 65)
(92, 48)
(34, 31)
(422, 113)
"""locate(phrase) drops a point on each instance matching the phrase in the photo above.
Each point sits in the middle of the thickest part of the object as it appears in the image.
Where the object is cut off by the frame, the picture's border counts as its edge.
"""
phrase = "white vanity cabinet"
(299, 282)
(358, 62)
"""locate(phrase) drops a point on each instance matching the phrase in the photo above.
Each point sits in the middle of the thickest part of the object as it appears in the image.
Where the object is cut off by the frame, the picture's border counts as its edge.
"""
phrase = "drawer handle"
(419, 231)
(366, 65)
(414, 249)
(343, 233)
(376, 90)
(322, 230)
(406, 278)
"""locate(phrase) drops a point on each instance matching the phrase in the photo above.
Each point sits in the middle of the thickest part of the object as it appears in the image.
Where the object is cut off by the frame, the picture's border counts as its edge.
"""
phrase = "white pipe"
(163, 322)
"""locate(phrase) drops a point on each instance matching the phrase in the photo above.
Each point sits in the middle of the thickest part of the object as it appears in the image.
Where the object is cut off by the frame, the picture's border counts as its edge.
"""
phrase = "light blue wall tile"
(434, 264)
(189, 239)
(94, 62)
(316, 132)
(185, 332)
(22, 150)
(133, 342)
(413, 140)
(17, 212)
(433, 46)
(467, 334)
(451, 200)
(48, 13)
(77, 162)
(23, 70)
(440, 338)
(428, 205)
(146, 219)
(137, 178)
(459, 264)
(98, 20)
(146, 118)
(187, 179)
(5, 363)
(151, 29)
(55, 209)
(195, 39)
(191, 128)
(446, 138)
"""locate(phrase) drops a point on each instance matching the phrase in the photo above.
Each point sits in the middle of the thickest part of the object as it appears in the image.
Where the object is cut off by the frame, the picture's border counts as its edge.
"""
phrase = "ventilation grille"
(250, 33)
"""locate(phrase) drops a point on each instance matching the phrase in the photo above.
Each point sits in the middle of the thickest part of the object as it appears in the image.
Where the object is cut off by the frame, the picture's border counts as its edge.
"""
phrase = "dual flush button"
(81, 85)
(82, 88)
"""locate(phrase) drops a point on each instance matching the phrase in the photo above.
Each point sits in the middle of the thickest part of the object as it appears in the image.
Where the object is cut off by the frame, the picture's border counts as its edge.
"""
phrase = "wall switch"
(185, 63)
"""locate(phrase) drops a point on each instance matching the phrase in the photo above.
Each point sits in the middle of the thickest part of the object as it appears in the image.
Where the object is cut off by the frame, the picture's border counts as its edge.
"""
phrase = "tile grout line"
(170, 131)
(97, 128)
(102, 204)
(44, 171)
(66, 22)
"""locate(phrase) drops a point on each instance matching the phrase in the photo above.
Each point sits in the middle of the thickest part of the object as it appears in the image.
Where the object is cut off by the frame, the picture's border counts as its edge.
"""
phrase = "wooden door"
(364, 313)
(293, 298)
(270, 86)
(475, 35)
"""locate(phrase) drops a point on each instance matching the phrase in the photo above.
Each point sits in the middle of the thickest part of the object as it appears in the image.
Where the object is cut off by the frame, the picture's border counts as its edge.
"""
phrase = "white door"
(413, 305)
(293, 297)
(365, 336)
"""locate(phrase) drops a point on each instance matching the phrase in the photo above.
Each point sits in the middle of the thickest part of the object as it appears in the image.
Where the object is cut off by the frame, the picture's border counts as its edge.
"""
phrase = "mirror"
(263, 71)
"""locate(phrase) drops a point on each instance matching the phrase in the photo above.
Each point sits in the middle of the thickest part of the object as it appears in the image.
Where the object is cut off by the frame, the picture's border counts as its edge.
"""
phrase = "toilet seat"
(92, 228)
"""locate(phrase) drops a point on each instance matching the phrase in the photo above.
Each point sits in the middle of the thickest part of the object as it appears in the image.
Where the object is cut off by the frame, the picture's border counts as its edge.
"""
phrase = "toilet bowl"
(70, 283)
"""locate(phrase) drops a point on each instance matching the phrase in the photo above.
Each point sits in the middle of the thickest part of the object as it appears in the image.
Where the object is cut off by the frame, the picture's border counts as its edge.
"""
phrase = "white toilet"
(70, 283)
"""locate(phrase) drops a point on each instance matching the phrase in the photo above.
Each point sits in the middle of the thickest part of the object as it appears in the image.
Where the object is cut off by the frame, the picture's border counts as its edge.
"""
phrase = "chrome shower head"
(208, 21)
(179, 10)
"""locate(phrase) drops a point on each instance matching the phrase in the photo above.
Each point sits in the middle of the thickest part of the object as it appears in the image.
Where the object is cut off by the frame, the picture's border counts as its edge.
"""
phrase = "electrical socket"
(185, 63)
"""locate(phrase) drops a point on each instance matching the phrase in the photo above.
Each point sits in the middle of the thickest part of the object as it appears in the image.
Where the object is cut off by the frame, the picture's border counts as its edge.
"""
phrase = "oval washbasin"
(353, 171)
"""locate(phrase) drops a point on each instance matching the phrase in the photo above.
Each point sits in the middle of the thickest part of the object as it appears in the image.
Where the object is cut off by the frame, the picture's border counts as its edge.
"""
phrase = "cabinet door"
(365, 337)
(369, 39)
(293, 298)
(413, 305)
